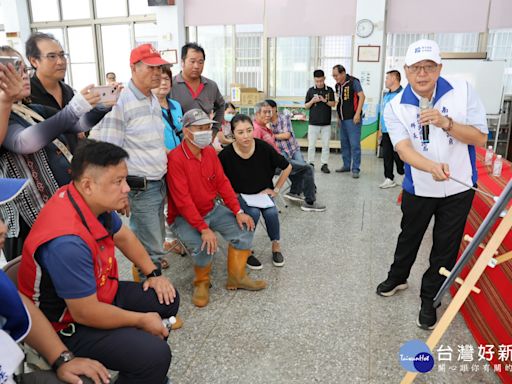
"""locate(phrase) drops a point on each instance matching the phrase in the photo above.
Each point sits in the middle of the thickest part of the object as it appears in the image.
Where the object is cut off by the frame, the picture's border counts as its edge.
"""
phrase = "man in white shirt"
(435, 141)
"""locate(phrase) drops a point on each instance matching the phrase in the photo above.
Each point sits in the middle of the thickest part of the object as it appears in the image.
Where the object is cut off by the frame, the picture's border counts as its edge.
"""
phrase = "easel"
(469, 283)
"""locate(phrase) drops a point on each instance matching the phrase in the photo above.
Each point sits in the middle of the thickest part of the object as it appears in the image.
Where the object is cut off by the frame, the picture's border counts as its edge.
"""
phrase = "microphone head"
(424, 103)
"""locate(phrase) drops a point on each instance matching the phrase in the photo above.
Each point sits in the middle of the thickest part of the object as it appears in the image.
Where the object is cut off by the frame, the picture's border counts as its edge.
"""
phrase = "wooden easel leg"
(465, 289)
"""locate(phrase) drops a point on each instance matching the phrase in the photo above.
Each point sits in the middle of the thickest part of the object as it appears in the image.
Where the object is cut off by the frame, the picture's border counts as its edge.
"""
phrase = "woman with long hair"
(250, 165)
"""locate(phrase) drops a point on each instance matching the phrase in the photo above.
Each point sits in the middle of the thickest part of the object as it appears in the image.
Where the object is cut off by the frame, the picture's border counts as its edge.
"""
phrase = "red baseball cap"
(147, 54)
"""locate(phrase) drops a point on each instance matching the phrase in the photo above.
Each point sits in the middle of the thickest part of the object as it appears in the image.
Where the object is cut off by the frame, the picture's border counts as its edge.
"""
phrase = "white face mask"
(202, 139)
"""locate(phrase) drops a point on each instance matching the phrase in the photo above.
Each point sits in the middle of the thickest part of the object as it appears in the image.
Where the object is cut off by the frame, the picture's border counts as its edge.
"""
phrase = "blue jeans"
(302, 177)
(219, 219)
(147, 218)
(271, 216)
(350, 138)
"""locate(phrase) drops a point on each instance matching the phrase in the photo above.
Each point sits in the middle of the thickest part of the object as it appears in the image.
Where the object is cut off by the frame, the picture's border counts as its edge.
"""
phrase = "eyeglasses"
(54, 56)
(429, 68)
(26, 70)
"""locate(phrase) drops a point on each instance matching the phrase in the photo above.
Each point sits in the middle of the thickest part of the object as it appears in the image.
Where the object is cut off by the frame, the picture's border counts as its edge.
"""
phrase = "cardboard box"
(245, 95)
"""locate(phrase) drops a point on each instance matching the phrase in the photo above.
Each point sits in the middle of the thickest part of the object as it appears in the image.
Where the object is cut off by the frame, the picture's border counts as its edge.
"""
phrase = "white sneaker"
(388, 183)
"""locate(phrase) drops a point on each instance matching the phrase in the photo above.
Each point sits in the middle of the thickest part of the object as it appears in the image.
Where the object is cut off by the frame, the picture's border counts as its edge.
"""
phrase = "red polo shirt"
(264, 133)
(193, 184)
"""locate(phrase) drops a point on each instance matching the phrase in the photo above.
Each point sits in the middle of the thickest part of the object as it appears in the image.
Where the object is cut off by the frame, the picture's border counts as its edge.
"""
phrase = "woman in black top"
(250, 165)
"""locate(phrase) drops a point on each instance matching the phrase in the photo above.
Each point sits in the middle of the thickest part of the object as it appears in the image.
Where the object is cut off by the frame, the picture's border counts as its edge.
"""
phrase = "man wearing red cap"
(135, 124)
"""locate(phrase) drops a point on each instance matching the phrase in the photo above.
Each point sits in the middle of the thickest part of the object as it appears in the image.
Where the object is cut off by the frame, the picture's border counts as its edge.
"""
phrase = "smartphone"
(14, 60)
(106, 92)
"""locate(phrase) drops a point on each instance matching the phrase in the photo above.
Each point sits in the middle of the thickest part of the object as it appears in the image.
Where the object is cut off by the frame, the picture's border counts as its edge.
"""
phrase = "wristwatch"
(450, 124)
(277, 189)
(63, 358)
(156, 272)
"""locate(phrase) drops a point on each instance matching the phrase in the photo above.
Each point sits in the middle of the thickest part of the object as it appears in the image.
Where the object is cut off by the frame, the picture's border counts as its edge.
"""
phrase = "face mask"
(202, 139)
(228, 117)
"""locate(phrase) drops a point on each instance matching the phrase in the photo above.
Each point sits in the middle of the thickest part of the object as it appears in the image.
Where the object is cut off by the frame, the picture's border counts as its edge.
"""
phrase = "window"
(457, 42)
(249, 56)
(116, 44)
(293, 65)
(81, 57)
(44, 10)
(334, 50)
(448, 42)
(75, 9)
(95, 47)
(111, 8)
(500, 48)
(217, 43)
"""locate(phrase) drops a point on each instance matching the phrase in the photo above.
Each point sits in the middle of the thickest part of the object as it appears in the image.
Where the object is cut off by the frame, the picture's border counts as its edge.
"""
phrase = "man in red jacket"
(195, 178)
(69, 270)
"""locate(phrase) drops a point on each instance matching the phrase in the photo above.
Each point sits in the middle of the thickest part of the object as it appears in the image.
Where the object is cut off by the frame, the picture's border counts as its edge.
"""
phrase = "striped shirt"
(135, 124)
(288, 146)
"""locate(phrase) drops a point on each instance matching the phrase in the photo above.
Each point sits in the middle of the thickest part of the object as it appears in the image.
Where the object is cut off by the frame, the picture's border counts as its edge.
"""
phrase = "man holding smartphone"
(319, 101)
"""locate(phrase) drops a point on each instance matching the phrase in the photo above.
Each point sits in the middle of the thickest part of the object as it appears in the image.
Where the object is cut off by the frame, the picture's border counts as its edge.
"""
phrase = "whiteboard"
(485, 76)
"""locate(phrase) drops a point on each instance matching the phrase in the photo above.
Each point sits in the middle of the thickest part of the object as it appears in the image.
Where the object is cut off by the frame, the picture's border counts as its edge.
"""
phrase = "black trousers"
(139, 356)
(45, 377)
(450, 215)
(389, 156)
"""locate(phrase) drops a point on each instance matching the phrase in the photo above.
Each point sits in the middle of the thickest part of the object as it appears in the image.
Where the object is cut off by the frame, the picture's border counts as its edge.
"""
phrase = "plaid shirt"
(289, 146)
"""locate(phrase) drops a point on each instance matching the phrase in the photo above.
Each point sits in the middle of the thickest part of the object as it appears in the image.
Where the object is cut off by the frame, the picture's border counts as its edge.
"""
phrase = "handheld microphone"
(425, 128)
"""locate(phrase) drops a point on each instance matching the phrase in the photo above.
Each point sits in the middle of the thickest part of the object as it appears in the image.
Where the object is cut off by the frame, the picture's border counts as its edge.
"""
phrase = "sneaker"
(253, 263)
(325, 169)
(293, 197)
(355, 175)
(388, 183)
(277, 259)
(427, 318)
(389, 287)
(343, 169)
(313, 207)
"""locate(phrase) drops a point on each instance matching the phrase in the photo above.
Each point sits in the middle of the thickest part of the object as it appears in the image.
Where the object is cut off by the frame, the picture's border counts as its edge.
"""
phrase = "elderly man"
(192, 90)
(303, 175)
(135, 123)
(195, 179)
(69, 270)
(435, 142)
(350, 105)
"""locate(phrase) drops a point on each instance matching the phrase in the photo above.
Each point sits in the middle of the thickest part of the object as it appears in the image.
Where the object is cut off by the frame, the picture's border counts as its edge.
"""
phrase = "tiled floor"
(319, 321)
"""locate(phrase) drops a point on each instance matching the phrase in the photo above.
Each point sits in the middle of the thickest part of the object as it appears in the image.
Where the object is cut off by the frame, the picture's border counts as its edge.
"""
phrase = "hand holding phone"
(107, 93)
(14, 60)
(11, 82)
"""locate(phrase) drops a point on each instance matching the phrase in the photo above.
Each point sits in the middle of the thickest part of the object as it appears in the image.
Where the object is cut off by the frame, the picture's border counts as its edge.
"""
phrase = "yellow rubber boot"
(237, 278)
(201, 283)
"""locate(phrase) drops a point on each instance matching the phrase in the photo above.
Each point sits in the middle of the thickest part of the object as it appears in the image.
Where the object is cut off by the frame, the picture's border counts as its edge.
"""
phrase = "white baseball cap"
(422, 50)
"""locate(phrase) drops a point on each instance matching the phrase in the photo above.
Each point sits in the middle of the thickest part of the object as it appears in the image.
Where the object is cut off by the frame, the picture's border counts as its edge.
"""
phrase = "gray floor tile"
(319, 320)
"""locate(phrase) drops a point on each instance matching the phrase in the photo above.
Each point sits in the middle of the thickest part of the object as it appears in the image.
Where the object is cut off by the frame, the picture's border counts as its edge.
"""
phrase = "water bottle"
(489, 154)
(498, 165)
(168, 323)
